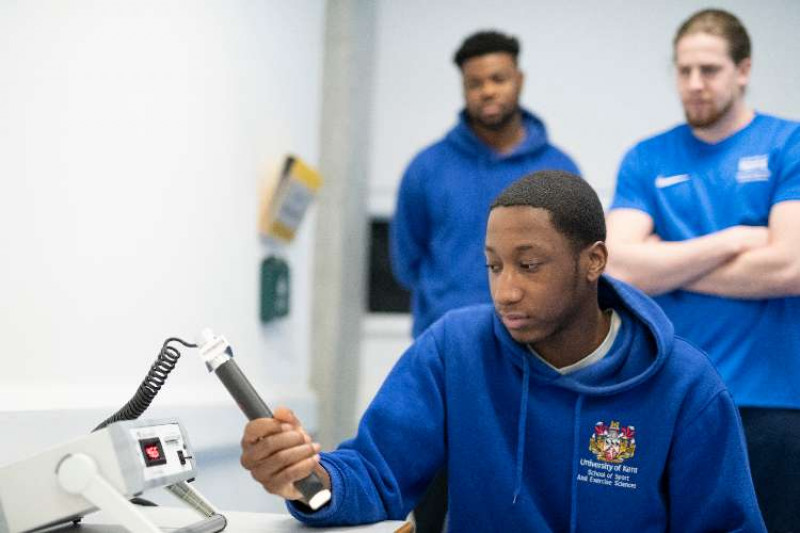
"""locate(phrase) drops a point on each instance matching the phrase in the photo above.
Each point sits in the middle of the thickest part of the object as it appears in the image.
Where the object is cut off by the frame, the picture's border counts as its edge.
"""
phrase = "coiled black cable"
(156, 376)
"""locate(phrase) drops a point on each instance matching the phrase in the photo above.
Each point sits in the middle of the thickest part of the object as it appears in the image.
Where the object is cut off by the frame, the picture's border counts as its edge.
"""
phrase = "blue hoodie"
(645, 440)
(439, 224)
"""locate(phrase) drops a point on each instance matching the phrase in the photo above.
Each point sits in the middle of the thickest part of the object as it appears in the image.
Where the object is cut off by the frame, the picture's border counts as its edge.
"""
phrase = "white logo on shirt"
(753, 168)
(668, 181)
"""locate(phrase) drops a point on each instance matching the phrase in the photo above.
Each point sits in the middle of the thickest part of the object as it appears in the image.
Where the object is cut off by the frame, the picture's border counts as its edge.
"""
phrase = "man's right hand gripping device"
(218, 356)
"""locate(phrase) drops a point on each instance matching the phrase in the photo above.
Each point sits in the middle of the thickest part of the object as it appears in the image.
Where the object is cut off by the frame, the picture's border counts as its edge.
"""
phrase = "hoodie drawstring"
(573, 509)
(523, 415)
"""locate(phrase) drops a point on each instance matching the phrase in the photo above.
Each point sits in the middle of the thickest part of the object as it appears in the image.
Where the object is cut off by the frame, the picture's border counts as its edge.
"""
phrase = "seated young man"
(566, 405)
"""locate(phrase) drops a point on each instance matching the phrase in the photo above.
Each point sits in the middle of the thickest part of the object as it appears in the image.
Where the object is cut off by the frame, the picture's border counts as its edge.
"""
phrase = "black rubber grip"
(254, 407)
(242, 391)
(309, 486)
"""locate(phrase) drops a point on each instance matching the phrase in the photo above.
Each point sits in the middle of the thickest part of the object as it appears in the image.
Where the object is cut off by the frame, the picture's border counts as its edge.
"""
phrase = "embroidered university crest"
(612, 443)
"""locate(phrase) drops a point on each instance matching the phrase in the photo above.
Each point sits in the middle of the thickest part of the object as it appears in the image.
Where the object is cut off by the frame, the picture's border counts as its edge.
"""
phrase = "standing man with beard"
(706, 217)
(440, 221)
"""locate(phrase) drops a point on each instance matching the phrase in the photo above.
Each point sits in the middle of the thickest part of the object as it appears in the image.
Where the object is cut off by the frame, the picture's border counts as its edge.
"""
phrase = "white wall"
(135, 139)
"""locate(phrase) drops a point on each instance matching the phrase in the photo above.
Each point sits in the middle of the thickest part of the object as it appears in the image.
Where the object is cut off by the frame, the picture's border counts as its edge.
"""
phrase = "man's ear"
(596, 257)
(743, 72)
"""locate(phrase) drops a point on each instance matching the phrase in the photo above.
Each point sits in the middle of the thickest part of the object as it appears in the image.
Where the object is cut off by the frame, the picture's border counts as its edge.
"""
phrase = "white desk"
(171, 518)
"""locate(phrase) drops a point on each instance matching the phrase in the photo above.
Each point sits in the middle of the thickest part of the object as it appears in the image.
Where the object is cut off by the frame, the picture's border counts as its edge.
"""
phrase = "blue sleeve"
(710, 488)
(400, 445)
(409, 235)
(788, 187)
(633, 190)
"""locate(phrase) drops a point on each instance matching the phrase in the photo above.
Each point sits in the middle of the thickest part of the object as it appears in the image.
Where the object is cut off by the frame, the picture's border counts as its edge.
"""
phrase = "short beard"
(710, 119)
(499, 125)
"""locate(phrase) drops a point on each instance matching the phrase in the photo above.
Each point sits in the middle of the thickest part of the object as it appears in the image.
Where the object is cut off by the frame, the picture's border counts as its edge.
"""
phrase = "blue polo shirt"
(691, 188)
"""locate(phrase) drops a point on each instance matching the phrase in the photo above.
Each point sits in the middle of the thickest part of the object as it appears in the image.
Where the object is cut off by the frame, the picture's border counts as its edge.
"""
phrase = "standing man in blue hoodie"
(446, 190)
(706, 218)
(569, 405)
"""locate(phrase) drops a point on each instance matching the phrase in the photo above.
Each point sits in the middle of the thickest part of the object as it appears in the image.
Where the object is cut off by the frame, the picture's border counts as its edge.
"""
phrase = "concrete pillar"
(340, 252)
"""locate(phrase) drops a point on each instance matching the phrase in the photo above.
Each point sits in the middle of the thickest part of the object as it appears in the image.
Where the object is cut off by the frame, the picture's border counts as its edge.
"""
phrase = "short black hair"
(575, 210)
(486, 42)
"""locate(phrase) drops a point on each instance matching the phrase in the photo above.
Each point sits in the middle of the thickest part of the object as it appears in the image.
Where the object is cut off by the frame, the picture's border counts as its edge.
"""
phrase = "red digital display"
(152, 452)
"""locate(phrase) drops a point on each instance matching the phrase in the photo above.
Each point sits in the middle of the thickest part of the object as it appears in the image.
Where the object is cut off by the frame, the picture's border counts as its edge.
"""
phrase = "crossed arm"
(737, 262)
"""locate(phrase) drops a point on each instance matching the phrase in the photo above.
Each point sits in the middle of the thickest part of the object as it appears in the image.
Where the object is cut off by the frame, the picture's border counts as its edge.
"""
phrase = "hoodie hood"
(463, 138)
(644, 341)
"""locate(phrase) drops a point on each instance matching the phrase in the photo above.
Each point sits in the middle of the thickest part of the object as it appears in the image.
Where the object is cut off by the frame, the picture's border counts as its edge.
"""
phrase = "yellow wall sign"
(283, 208)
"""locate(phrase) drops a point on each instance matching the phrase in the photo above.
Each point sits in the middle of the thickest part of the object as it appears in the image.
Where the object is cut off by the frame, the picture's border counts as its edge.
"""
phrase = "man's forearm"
(659, 267)
(768, 272)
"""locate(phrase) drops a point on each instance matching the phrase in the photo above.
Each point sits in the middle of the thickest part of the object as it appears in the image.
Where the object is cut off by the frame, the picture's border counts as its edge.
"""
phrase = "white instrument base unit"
(103, 470)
